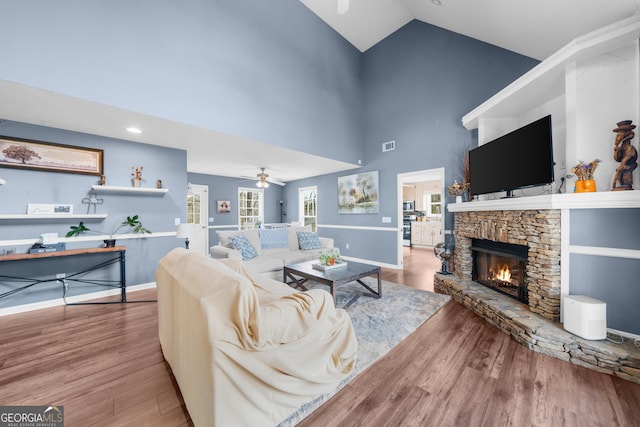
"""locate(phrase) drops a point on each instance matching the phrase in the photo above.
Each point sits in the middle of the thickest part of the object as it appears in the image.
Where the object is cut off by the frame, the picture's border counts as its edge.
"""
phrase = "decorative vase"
(585, 186)
(458, 199)
(109, 243)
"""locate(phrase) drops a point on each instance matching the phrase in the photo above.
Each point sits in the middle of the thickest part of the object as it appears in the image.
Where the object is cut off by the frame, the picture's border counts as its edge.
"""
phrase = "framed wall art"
(48, 156)
(358, 194)
(224, 206)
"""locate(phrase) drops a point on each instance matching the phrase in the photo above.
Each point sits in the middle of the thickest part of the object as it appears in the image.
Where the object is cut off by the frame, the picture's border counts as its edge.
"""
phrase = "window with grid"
(250, 207)
(432, 203)
(308, 206)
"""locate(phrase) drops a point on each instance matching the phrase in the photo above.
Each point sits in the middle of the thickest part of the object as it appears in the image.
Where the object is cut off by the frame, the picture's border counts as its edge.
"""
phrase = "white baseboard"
(623, 334)
(368, 261)
(79, 298)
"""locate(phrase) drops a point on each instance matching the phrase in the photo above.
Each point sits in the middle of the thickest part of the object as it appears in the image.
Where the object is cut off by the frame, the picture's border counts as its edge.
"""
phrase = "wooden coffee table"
(354, 271)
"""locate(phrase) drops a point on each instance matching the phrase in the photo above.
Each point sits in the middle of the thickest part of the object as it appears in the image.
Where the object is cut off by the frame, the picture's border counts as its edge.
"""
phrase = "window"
(250, 207)
(308, 206)
(432, 204)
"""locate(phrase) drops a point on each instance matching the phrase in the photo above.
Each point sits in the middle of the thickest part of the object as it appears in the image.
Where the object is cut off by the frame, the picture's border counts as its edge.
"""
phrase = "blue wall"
(225, 188)
(417, 85)
(32, 186)
(273, 73)
(270, 71)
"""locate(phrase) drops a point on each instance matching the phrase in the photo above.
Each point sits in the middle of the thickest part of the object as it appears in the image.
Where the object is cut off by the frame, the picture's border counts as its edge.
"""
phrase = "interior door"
(198, 214)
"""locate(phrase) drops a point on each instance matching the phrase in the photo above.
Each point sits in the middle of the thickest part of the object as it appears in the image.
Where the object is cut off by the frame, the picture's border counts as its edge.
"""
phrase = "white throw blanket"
(245, 349)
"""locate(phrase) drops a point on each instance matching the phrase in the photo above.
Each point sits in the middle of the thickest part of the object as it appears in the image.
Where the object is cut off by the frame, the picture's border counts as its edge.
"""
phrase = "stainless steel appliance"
(406, 228)
(408, 206)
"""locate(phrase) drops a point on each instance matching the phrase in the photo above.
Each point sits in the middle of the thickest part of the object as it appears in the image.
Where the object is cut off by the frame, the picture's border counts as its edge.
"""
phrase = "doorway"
(198, 214)
(421, 196)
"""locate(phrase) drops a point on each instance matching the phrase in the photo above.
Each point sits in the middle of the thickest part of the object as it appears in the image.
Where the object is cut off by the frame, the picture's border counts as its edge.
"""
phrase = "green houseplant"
(130, 225)
(330, 257)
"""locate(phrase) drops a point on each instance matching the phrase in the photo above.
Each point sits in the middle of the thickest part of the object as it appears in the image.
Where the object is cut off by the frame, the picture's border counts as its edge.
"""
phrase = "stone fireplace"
(536, 230)
(531, 319)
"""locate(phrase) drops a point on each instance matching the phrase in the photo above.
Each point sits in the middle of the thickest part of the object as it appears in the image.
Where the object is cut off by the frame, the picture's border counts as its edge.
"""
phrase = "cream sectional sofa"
(246, 350)
(275, 248)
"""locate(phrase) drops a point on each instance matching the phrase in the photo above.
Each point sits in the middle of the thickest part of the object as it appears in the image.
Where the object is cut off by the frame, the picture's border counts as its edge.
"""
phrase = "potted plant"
(330, 257)
(131, 224)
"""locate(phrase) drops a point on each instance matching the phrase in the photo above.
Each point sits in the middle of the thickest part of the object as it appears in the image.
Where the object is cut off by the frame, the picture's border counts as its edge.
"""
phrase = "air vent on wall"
(388, 146)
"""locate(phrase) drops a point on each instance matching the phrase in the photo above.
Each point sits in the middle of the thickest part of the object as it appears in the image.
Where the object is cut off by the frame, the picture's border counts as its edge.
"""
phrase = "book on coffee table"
(321, 267)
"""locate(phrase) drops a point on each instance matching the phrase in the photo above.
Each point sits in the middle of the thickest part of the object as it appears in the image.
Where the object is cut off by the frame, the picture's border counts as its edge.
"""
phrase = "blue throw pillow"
(242, 245)
(308, 240)
(274, 238)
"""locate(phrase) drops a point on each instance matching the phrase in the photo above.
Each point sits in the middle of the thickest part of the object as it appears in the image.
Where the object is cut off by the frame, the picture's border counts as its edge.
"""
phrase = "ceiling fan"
(263, 179)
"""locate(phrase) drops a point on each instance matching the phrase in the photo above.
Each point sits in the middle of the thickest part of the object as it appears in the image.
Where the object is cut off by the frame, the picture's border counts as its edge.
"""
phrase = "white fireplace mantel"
(597, 200)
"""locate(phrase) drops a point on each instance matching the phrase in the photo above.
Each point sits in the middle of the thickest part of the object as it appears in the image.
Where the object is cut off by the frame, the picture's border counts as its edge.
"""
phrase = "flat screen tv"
(522, 158)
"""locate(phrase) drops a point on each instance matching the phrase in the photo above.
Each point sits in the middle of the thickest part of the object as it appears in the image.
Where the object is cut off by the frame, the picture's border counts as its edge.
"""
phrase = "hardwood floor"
(104, 365)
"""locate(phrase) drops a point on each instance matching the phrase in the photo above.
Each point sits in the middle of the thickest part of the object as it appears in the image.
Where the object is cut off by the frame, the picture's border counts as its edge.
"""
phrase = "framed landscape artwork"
(358, 194)
(47, 156)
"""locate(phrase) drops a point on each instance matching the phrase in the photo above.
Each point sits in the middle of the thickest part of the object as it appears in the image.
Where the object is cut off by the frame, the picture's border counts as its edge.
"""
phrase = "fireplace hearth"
(535, 324)
(501, 267)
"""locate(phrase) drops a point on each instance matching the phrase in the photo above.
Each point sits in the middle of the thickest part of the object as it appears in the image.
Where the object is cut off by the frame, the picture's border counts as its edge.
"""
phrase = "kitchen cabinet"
(425, 233)
(409, 193)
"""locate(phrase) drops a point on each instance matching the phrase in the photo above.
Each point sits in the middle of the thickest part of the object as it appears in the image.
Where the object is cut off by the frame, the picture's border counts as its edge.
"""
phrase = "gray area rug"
(380, 324)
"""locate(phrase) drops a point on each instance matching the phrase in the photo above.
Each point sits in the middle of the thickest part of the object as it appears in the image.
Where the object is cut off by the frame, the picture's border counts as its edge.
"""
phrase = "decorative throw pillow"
(308, 240)
(273, 238)
(242, 245)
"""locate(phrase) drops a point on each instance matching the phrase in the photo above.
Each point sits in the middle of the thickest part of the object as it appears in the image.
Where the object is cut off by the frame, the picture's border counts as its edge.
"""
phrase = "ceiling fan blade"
(273, 181)
(263, 176)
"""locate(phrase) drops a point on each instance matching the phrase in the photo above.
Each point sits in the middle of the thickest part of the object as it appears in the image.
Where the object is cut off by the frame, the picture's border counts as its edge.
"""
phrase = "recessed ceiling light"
(133, 130)
(436, 2)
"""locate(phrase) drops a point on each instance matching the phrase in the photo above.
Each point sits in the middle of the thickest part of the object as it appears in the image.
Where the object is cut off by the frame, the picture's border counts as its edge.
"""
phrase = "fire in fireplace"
(501, 266)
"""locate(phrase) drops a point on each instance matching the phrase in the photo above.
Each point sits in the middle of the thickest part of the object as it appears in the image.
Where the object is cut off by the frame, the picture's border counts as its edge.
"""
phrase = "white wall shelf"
(601, 251)
(53, 217)
(140, 191)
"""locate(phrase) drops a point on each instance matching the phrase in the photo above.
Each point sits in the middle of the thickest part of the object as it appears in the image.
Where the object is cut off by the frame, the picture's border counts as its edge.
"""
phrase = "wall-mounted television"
(522, 158)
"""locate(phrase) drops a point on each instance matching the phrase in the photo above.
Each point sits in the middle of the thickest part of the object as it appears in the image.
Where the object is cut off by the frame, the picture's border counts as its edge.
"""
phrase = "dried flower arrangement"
(584, 171)
(458, 188)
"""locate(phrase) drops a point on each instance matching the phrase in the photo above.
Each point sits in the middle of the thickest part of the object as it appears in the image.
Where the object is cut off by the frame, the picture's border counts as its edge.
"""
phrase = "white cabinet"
(425, 233)
(408, 193)
(416, 233)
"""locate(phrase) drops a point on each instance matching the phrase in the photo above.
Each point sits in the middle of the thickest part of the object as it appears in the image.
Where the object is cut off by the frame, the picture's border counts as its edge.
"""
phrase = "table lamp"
(186, 231)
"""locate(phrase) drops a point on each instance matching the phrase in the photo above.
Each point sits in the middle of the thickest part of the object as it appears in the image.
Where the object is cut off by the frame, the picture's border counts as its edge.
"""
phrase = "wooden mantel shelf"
(597, 200)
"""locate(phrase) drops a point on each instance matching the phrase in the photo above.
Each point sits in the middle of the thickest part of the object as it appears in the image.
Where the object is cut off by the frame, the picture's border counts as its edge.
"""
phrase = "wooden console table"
(119, 258)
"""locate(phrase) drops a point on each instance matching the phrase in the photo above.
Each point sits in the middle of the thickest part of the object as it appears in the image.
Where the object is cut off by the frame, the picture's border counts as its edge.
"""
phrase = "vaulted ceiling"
(531, 28)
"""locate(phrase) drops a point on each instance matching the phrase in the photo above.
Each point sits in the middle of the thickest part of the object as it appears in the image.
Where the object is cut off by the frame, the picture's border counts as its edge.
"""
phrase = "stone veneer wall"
(537, 229)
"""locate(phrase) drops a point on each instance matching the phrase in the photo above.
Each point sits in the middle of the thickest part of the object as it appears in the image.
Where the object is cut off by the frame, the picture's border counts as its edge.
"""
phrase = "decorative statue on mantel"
(626, 154)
